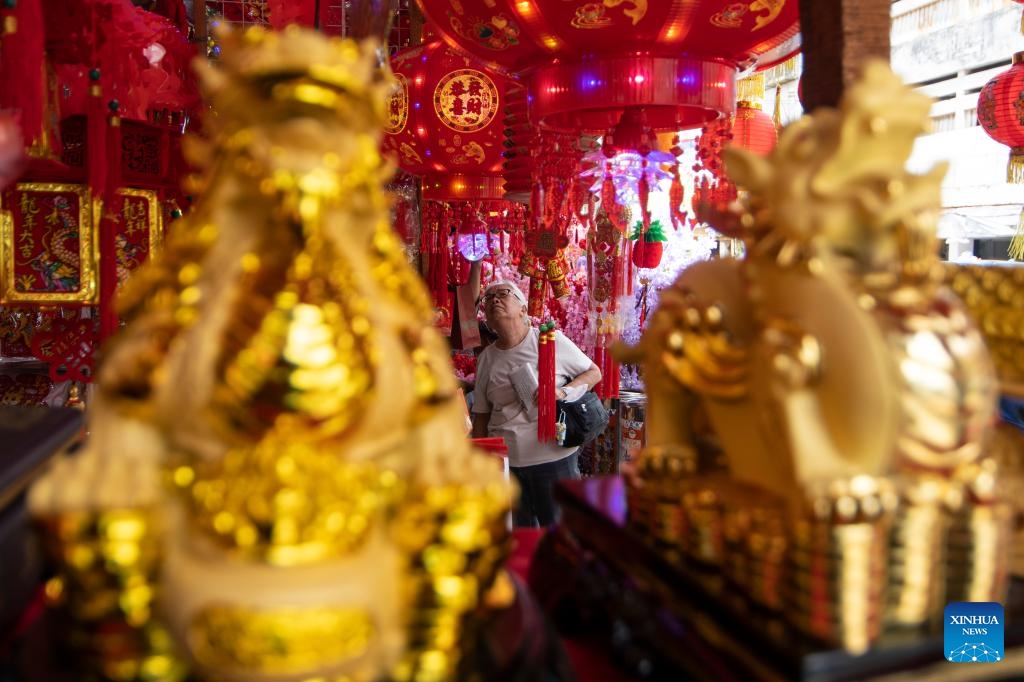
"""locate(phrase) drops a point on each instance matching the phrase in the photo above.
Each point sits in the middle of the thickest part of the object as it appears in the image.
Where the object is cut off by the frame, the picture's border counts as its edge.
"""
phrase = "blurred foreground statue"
(281, 371)
(849, 391)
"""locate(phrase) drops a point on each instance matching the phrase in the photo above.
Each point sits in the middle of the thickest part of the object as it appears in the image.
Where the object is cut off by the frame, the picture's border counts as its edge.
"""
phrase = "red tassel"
(546, 383)
(22, 67)
(608, 387)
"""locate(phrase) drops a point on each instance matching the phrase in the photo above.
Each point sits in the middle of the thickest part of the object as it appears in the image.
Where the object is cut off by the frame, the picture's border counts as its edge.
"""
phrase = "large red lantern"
(586, 62)
(445, 122)
(1001, 114)
(753, 130)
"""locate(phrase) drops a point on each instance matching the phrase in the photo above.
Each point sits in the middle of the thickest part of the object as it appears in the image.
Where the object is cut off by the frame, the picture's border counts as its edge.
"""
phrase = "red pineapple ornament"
(649, 245)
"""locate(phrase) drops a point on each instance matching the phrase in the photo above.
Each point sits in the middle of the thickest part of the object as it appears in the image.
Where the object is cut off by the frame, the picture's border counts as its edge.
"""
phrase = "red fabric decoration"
(546, 383)
(67, 348)
(22, 68)
(286, 12)
(145, 58)
(96, 139)
(175, 11)
(1001, 114)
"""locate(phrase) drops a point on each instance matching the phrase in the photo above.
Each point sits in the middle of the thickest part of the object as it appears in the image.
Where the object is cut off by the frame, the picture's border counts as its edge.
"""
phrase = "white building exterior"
(949, 49)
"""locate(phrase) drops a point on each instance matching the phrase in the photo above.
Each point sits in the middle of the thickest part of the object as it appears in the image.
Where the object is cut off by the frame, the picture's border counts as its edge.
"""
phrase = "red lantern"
(587, 62)
(1001, 114)
(445, 122)
(753, 130)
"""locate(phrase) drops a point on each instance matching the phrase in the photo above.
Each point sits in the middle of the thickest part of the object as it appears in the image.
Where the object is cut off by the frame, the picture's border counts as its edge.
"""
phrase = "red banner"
(140, 230)
(47, 244)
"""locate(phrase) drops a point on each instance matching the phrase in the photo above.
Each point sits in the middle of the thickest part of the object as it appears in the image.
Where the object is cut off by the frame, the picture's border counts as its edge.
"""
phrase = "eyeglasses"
(497, 294)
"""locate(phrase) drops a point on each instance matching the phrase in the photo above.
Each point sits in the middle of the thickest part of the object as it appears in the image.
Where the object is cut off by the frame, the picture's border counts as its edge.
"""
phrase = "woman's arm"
(480, 420)
(590, 378)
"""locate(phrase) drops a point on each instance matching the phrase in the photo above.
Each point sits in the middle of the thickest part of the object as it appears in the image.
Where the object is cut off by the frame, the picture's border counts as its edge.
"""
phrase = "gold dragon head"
(839, 178)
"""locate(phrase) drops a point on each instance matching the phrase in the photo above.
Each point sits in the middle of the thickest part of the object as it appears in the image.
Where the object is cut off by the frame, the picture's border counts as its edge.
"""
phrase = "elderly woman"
(498, 409)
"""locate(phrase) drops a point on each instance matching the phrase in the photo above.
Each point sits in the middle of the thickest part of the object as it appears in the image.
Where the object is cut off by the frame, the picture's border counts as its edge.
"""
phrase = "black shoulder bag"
(584, 419)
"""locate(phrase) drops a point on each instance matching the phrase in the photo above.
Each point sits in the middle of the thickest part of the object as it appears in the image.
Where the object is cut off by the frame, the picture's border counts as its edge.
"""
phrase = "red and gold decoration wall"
(91, 204)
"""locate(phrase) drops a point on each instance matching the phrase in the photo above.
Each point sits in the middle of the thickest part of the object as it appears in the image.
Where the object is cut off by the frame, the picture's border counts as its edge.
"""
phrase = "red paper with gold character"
(140, 230)
(47, 245)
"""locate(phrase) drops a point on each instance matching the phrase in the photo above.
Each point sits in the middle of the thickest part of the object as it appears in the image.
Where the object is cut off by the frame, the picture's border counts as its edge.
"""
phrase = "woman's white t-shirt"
(510, 419)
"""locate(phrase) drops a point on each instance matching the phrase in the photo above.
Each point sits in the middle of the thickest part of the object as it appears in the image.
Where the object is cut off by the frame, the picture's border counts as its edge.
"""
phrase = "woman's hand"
(560, 394)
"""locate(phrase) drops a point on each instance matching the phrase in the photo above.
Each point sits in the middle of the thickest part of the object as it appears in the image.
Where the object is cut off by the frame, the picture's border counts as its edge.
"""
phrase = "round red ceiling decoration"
(444, 122)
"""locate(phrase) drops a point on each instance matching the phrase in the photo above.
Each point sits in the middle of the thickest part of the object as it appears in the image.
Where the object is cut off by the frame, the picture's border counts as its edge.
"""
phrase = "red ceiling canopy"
(585, 62)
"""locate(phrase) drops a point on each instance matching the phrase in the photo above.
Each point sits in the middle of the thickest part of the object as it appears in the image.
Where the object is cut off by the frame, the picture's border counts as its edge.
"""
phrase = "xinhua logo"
(973, 632)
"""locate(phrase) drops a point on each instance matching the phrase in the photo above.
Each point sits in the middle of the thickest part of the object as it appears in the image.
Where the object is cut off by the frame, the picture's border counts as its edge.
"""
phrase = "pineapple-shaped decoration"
(649, 244)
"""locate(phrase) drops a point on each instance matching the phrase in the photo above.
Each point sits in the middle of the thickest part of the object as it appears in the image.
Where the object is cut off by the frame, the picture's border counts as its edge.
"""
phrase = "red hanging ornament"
(1001, 114)
(644, 194)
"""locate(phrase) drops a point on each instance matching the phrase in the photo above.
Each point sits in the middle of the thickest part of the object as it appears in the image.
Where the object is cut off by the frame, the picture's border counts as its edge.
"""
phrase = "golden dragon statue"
(281, 367)
(838, 373)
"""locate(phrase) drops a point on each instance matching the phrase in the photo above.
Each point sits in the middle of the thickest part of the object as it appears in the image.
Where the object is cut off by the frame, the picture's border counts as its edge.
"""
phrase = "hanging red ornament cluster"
(444, 124)
(107, 78)
(750, 129)
(556, 159)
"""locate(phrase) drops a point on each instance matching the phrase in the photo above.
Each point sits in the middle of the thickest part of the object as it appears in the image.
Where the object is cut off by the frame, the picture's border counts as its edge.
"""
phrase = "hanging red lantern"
(445, 122)
(1001, 114)
(587, 62)
(753, 130)
(445, 125)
